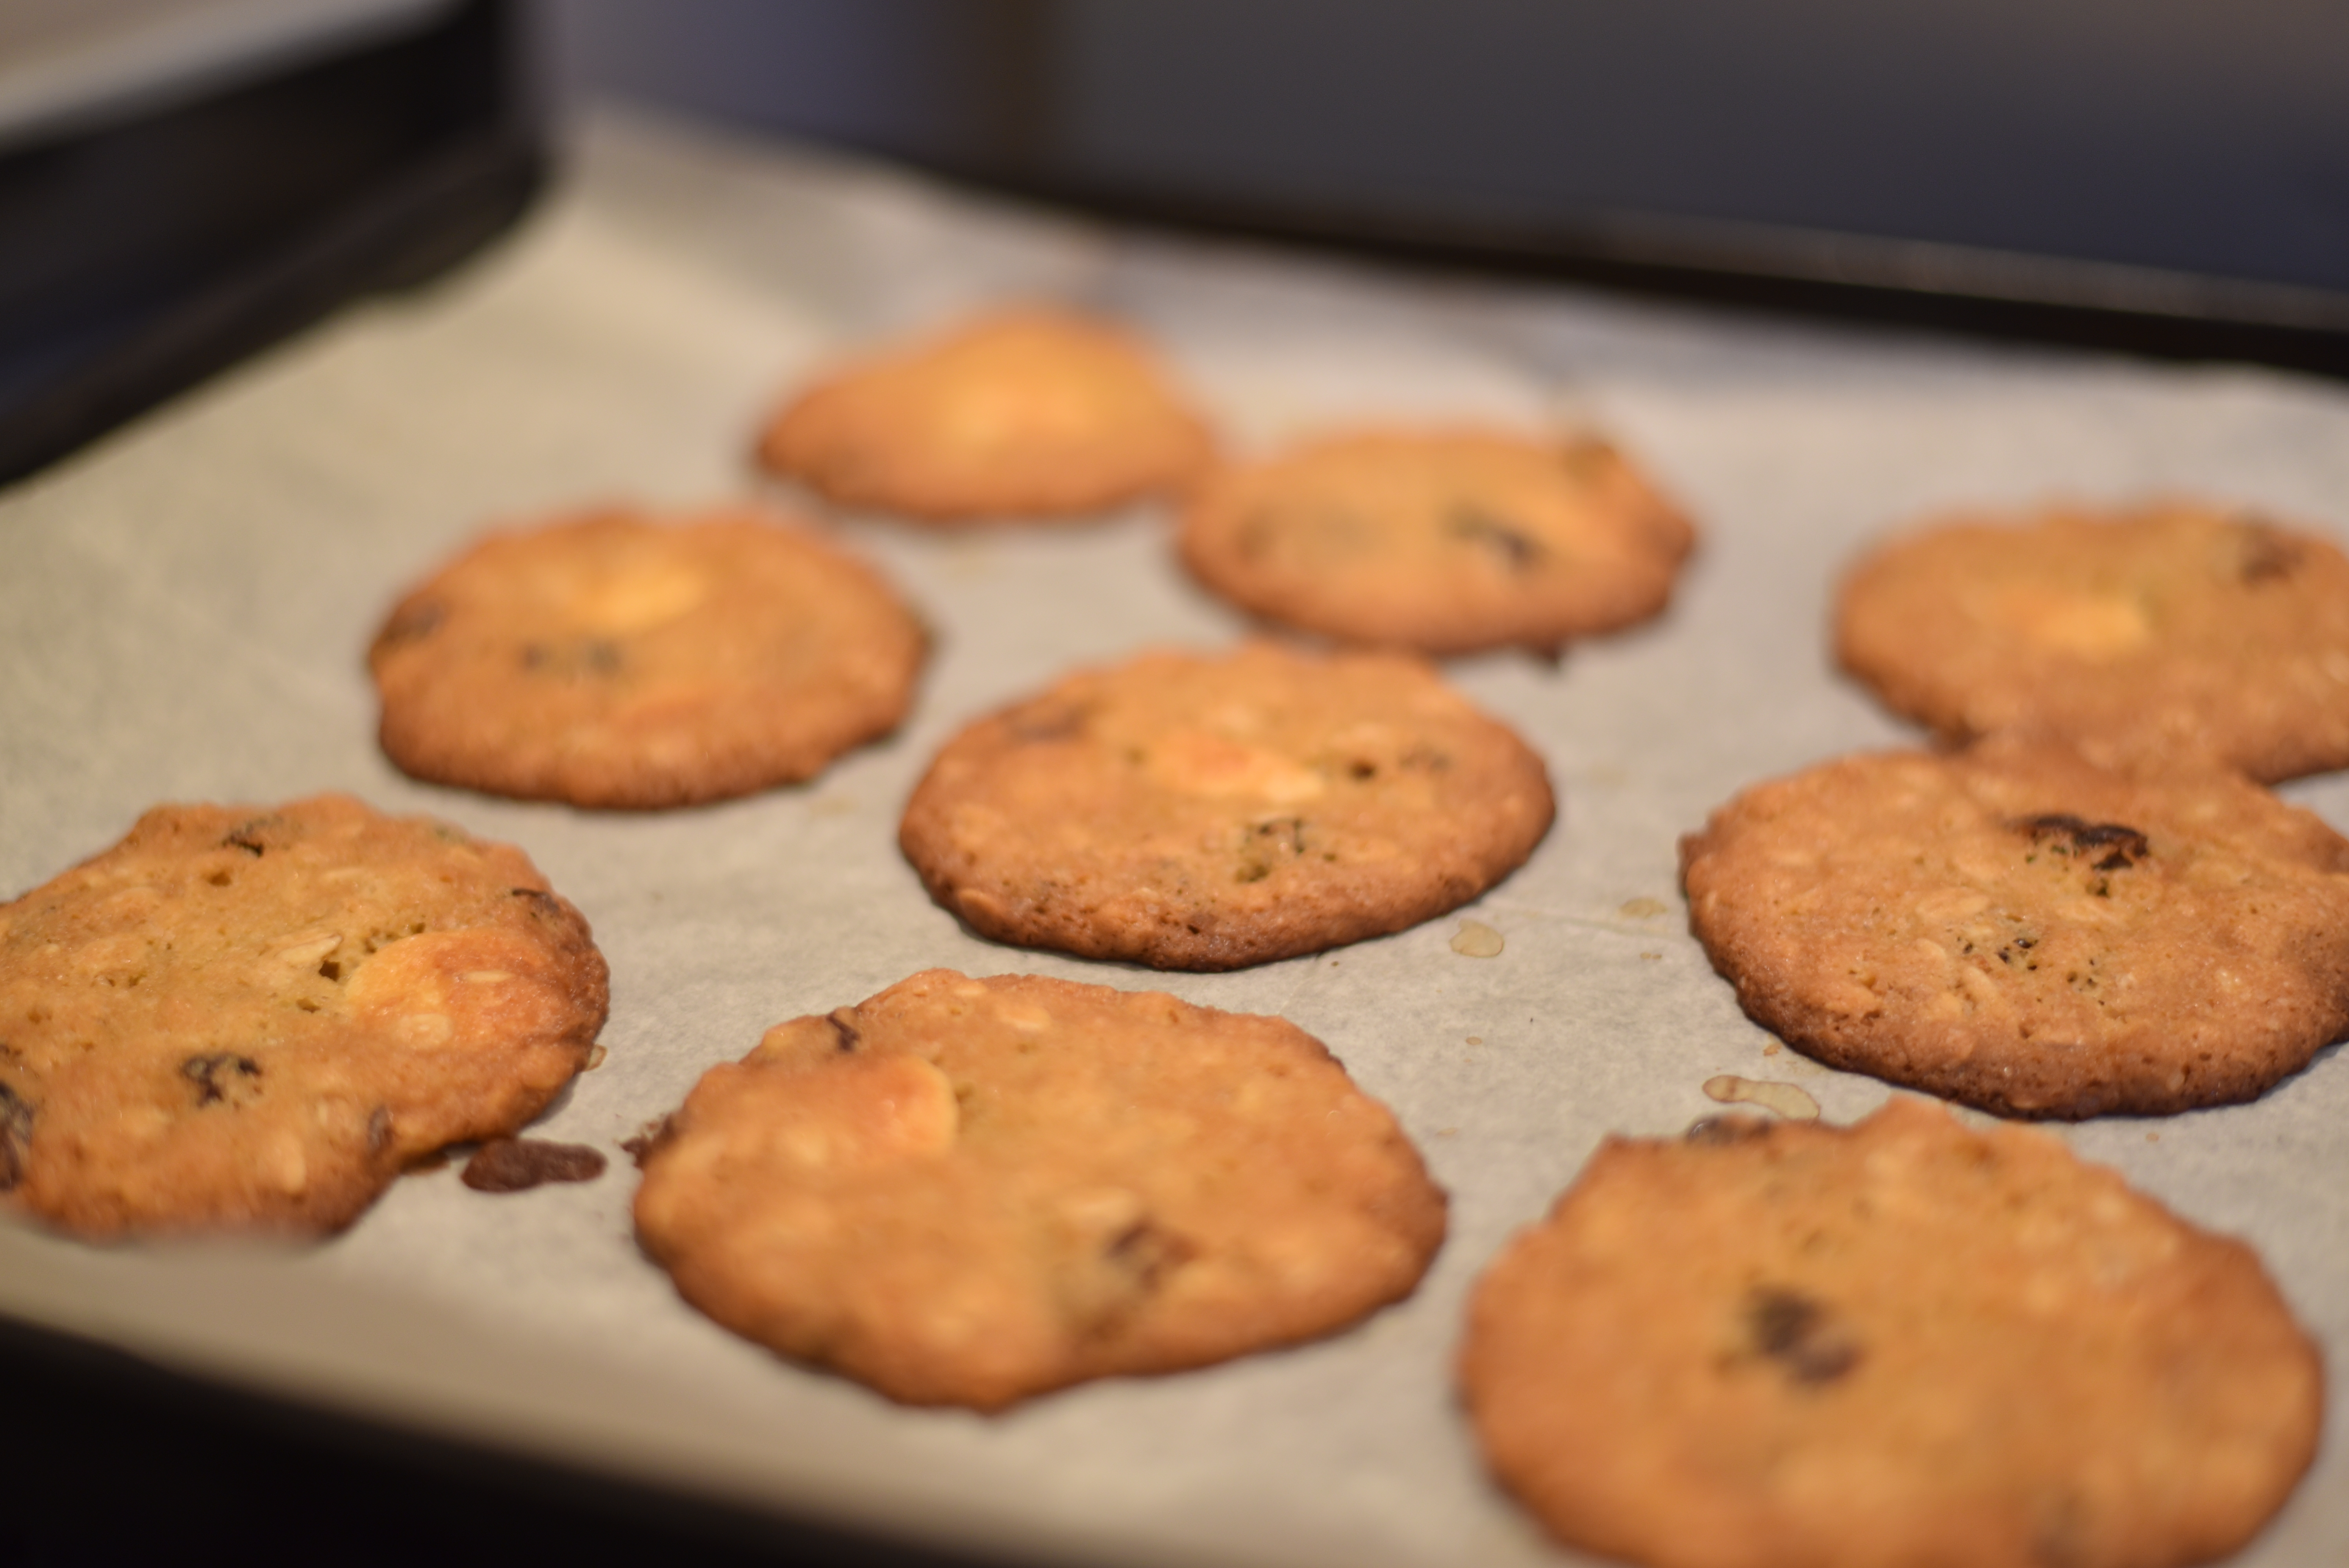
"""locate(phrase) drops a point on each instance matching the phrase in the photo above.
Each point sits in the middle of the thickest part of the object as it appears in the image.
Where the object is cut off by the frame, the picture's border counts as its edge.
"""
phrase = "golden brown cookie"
(613, 660)
(249, 1019)
(2171, 631)
(1206, 811)
(1783, 1344)
(969, 1192)
(1021, 413)
(1443, 542)
(2016, 929)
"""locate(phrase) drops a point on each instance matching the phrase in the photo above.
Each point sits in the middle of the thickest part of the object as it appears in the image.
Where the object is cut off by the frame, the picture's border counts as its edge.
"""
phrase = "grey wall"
(2203, 135)
(951, 79)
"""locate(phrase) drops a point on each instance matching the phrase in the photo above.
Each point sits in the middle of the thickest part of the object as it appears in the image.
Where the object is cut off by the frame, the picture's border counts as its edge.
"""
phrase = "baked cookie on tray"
(616, 660)
(970, 1191)
(2168, 630)
(1784, 1345)
(1194, 811)
(1026, 413)
(2015, 928)
(1447, 541)
(249, 1019)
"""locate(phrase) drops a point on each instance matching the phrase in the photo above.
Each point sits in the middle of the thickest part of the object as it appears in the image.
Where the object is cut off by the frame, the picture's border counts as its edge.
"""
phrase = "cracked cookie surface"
(1443, 542)
(249, 1018)
(1783, 1344)
(1207, 811)
(1021, 413)
(612, 660)
(2172, 632)
(969, 1192)
(2015, 928)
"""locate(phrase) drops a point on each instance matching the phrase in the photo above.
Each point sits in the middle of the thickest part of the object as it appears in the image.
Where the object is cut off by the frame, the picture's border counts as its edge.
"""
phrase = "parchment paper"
(183, 610)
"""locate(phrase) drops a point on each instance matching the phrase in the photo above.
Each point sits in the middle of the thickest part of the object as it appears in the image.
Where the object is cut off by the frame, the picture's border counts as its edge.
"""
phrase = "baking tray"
(184, 608)
(181, 185)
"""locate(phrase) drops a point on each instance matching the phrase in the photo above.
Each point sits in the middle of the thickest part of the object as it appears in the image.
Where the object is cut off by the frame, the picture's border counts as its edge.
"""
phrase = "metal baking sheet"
(183, 609)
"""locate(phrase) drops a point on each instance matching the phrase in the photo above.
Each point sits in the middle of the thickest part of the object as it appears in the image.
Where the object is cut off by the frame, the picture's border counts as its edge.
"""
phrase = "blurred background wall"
(2178, 134)
(183, 180)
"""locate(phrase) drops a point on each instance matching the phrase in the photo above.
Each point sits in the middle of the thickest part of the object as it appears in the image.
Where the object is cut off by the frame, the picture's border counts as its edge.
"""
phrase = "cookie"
(1206, 811)
(970, 1191)
(1030, 413)
(249, 1019)
(1447, 542)
(2163, 631)
(1782, 1345)
(2016, 929)
(612, 660)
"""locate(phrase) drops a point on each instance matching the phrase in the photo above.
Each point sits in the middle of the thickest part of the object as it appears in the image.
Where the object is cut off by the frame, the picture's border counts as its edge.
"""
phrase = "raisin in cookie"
(1023, 413)
(249, 1019)
(970, 1191)
(2167, 631)
(1782, 1345)
(611, 660)
(2017, 929)
(1447, 542)
(1196, 811)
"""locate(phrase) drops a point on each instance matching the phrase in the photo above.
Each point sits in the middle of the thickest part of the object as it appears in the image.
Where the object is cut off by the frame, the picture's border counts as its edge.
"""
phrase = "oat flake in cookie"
(1027, 413)
(2165, 632)
(970, 1191)
(2016, 929)
(1443, 542)
(249, 1019)
(1782, 1345)
(1206, 811)
(616, 660)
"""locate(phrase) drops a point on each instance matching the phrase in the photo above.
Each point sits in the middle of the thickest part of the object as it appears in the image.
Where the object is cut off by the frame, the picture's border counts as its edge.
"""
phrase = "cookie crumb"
(1475, 1039)
(1475, 939)
(1642, 908)
(1787, 1101)
(518, 1164)
(648, 1138)
(1651, 958)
